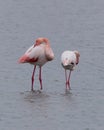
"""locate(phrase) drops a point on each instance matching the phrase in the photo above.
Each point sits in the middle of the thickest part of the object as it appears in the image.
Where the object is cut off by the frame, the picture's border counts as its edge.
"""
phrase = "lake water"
(69, 25)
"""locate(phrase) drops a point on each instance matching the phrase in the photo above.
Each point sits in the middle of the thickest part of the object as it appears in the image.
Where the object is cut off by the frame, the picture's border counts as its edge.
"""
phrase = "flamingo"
(38, 54)
(69, 59)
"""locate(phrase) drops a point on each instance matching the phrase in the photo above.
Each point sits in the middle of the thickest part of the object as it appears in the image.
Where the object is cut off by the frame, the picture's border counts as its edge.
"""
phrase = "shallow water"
(70, 24)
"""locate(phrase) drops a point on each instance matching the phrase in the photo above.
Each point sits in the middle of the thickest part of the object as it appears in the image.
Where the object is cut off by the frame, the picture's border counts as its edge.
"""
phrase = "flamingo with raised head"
(38, 54)
(69, 59)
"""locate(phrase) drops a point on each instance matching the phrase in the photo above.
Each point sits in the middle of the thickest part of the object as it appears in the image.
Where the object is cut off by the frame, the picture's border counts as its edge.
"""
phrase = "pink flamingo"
(37, 55)
(69, 59)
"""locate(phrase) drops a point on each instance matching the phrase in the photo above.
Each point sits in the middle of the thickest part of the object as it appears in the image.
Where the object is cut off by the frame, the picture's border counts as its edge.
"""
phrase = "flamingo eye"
(72, 63)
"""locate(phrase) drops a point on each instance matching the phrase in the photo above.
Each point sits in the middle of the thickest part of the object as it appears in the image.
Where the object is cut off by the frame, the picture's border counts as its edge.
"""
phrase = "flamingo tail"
(23, 59)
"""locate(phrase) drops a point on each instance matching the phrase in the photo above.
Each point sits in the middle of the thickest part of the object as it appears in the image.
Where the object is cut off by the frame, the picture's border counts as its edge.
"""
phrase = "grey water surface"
(69, 25)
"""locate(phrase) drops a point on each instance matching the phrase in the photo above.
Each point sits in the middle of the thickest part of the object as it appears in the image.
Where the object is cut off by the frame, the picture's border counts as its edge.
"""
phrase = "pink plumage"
(38, 54)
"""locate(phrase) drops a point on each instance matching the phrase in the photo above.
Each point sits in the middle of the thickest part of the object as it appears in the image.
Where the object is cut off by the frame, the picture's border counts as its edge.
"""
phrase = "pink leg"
(68, 82)
(40, 79)
(32, 78)
(67, 79)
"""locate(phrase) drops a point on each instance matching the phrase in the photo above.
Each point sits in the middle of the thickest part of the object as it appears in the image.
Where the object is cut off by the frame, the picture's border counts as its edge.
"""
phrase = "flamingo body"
(38, 54)
(69, 59)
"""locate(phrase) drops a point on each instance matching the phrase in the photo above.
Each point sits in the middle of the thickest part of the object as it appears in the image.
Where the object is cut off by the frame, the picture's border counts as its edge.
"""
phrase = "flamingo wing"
(27, 59)
(49, 53)
(30, 56)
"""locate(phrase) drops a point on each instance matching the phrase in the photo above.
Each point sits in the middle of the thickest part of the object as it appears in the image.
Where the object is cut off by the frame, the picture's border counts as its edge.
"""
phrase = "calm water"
(69, 24)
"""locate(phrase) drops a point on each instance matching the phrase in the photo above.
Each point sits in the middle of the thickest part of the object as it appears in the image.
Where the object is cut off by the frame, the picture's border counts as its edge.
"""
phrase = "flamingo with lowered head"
(37, 55)
(69, 59)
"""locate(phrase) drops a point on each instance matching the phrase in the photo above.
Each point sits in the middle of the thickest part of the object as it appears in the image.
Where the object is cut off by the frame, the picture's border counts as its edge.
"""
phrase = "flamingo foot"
(32, 89)
(40, 84)
(68, 85)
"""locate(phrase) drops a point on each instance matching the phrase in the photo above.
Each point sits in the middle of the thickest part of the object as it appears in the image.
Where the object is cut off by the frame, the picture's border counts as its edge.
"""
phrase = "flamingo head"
(41, 40)
(77, 56)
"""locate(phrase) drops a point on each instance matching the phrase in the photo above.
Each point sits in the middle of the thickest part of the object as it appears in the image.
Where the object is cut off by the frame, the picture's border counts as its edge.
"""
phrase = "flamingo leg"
(67, 79)
(32, 78)
(40, 78)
